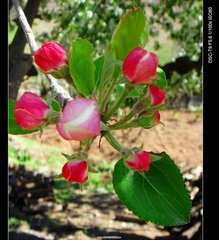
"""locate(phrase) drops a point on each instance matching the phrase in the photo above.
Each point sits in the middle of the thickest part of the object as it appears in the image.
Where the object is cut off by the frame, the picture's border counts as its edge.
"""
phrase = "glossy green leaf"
(132, 31)
(13, 127)
(159, 196)
(160, 79)
(82, 67)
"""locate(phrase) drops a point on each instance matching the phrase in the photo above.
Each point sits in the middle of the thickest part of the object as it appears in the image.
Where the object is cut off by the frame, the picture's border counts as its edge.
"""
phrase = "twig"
(62, 95)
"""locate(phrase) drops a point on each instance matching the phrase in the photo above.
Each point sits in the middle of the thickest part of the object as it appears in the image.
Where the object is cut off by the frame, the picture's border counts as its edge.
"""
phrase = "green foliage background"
(181, 21)
(175, 30)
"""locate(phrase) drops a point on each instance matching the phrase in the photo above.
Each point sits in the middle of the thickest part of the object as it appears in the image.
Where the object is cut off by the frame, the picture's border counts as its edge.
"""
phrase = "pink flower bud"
(157, 95)
(75, 171)
(50, 57)
(140, 66)
(157, 117)
(141, 161)
(80, 120)
(31, 111)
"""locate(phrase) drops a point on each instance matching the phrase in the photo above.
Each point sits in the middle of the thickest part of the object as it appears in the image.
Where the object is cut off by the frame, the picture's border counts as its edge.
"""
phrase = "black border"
(210, 124)
(4, 120)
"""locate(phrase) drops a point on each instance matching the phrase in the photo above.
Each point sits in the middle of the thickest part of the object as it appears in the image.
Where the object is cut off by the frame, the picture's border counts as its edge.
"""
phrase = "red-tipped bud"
(80, 120)
(157, 95)
(75, 171)
(50, 57)
(149, 119)
(141, 161)
(31, 111)
(140, 66)
(156, 117)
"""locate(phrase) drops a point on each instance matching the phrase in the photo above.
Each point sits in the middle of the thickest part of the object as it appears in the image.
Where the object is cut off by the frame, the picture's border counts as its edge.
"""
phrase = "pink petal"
(80, 120)
(157, 94)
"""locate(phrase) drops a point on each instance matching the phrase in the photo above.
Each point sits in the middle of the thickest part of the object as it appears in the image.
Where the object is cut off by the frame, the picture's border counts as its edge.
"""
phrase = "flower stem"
(124, 120)
(117, 104)
(137, 109)
(113, 142)
(107, 96)
(132, 124)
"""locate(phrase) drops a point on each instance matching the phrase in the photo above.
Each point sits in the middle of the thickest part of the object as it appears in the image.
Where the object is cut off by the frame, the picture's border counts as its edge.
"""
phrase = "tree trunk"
(20, 63)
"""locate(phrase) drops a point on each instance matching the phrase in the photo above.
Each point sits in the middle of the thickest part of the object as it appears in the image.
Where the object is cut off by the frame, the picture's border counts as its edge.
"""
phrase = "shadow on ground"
(39, 216)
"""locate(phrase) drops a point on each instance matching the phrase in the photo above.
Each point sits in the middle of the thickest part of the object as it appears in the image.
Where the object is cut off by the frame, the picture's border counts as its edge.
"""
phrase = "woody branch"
(61, 94)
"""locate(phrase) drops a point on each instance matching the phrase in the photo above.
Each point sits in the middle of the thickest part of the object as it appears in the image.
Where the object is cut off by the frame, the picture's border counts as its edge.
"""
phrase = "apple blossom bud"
(141, 161)
(31, 111)
(75, 171)
(80, 120)
(157, 95)
(156, 117)
(52, 58)
(140, 66)
(149, 119)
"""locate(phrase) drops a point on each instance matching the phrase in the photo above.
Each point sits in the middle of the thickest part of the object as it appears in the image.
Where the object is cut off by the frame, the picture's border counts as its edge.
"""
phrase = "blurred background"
(42, 207)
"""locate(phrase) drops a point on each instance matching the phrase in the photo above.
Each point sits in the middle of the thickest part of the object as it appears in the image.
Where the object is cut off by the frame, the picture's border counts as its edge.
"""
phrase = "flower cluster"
(81, 118)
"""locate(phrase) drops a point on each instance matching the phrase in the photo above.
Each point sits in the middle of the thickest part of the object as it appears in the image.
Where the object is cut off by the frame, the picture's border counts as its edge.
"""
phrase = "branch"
(62, 95)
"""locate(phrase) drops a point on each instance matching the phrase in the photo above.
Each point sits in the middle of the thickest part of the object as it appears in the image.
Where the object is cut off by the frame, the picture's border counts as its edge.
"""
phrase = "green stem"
(113, 142)
(106, 77)
(107, 95)
(125, 119)
(117, 104)
(86, 144)
(137, 109)
(132, 124)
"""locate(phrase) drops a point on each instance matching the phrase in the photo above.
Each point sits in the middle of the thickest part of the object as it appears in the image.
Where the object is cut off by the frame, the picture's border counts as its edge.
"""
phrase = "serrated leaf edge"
(152, 220)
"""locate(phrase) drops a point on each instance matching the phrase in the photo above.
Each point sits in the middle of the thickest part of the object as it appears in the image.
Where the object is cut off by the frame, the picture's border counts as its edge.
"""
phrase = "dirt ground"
(101, 215)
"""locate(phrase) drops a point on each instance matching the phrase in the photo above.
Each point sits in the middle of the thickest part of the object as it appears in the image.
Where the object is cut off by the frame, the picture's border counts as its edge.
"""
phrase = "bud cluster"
(81, 118)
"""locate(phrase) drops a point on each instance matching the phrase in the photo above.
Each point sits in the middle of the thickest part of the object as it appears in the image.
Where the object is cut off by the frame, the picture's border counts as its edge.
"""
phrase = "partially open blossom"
(140, 66)
(75, 171)
(31, 111)
(50, 57)
(80, 120)
(141, 161)
(157, 95)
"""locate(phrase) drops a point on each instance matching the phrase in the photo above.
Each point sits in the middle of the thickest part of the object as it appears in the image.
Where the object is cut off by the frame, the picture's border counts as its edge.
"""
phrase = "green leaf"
(107, 69)
(55, 105)
(160, 79)
(159, 196)
(69, 156)
(107, 80)
(13, 127)
(98, 66)
(82, 67)
(132, 31)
